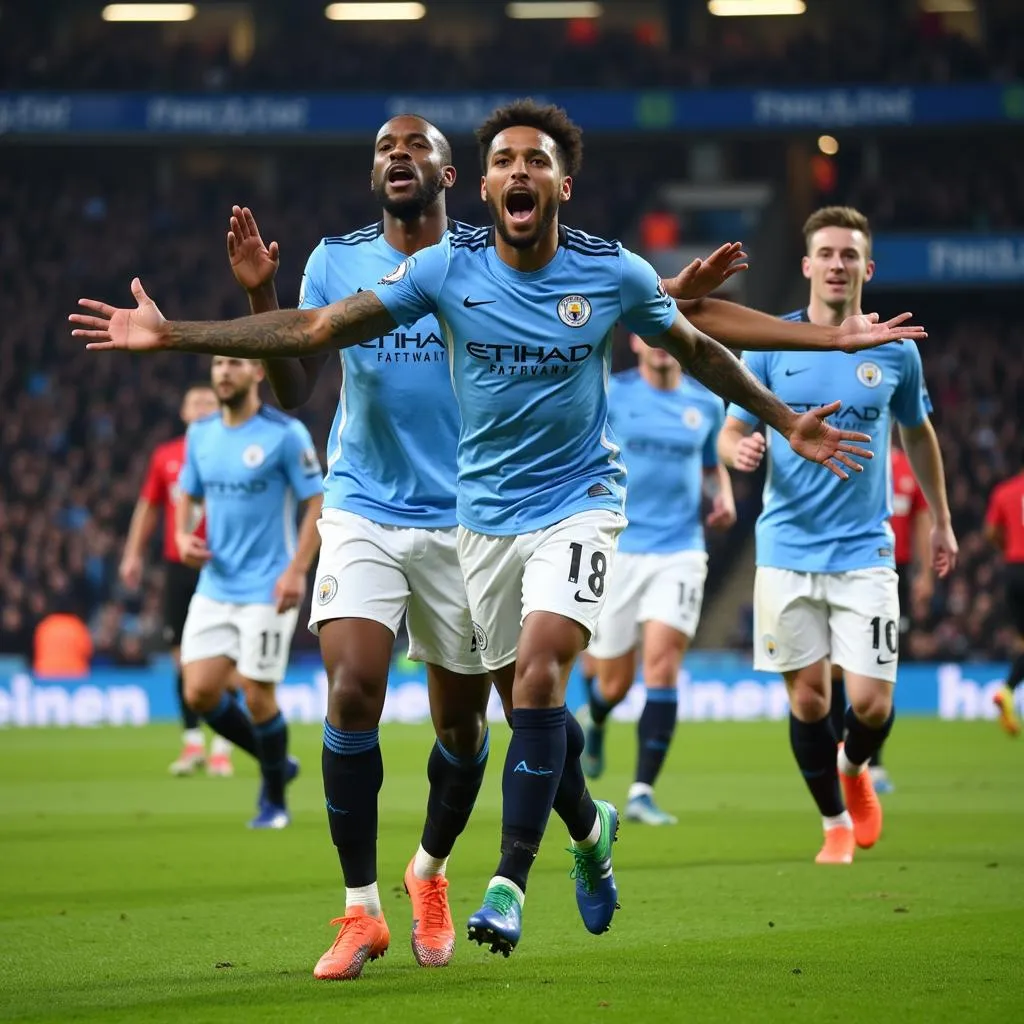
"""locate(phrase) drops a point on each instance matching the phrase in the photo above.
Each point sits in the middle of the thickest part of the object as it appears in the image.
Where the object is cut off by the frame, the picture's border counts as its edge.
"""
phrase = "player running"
(247, 467)
(388, 546)
(668, 427)
(825, 589)
(526, 309)
(1004, 527)
(160, 494)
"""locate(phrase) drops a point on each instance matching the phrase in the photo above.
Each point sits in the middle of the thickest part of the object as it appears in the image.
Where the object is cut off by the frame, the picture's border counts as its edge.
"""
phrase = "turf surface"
(127, 895)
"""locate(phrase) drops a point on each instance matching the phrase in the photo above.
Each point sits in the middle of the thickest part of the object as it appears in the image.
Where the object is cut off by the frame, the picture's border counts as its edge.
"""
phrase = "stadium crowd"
(305, 52)
(77, 428)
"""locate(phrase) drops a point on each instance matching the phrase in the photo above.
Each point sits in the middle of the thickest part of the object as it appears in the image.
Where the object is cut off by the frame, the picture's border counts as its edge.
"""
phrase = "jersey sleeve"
(646, 308)
(313, 290)
(301, 463)
(910, 402)
(711, 441)
(757, 364)
(410, 291)
(154, 489)
(188, 480)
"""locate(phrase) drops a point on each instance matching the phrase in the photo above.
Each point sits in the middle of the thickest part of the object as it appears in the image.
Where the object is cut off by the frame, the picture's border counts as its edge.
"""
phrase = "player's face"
(198, 403)
(656, 359)
(524, 185)
(234, 379)
(408, 169)
(837, 265)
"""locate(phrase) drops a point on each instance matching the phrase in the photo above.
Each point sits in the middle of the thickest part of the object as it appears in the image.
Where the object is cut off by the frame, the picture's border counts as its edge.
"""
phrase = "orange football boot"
(433, 934)
(838, 848)
(361, 937)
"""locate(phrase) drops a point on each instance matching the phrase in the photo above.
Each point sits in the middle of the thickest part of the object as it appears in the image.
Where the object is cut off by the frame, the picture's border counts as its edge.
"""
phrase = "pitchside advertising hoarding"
(713, 686)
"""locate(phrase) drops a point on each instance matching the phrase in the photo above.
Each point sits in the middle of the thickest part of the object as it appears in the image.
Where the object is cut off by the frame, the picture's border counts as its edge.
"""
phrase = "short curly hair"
(545, 117)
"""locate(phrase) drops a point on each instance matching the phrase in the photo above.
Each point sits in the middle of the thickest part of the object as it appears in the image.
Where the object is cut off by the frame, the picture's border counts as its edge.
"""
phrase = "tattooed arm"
(286, 332)
(718, 369)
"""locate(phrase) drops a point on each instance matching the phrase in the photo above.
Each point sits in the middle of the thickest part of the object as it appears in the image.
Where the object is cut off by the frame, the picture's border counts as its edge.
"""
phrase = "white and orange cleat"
(191, 758)
(361, 937)
(838, 848)
(433, 933)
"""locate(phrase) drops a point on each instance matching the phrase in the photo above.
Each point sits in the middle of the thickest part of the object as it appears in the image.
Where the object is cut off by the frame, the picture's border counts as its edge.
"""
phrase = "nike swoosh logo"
(333, 809)
(887, 661)
(793, 373)
(473, 303)
(585, 600)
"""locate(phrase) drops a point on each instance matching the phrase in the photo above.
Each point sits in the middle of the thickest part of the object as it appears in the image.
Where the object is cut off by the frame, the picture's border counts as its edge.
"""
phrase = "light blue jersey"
(812, 521)
(530, 357)
(391, 454)
(668, 439)
(250, 478)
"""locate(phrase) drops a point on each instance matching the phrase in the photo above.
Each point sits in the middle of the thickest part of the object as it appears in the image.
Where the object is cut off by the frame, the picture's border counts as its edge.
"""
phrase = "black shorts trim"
(1015, 595)
(179, 586)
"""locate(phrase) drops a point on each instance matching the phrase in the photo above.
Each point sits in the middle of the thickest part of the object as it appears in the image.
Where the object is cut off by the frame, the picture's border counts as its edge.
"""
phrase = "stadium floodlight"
(544, 9)
(828, 144)
(375, 11)
(149, 12)
(754, 8)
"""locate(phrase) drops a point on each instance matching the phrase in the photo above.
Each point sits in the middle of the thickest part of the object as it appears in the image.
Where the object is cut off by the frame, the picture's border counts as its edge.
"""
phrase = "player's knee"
(201, 695)
(872, 708)
(538, 679)
(464, 736)
(355, 698)
(808, 703)
(661, 668)
(615, 685)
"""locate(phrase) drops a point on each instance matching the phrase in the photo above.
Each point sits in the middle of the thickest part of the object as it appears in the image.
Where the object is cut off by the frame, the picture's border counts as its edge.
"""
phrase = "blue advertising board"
(955, 259)
(712, 686)
(334, 115)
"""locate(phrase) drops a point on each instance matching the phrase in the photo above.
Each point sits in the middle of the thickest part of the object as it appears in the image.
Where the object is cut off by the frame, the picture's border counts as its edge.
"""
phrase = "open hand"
(862, 331)
(137, 330)
(702, 277)
(253, 263)
(815, 440)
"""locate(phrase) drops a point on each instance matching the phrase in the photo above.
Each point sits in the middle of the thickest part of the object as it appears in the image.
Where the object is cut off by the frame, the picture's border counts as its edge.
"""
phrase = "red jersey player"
(1004, 527)
(160, 492)
(910, 524)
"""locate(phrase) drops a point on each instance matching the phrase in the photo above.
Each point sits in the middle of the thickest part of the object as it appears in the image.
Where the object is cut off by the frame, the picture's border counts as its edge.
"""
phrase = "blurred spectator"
(63, 647)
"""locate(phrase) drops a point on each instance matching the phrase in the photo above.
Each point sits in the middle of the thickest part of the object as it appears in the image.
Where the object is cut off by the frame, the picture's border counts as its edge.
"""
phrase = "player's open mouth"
(399, 175)
(520, 205)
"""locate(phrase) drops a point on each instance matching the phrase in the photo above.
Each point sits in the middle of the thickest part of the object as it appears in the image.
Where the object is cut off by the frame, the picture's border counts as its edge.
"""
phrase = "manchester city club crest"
(326, 589)
(869, 374)
(692, 417)
(771, 647)
(253, 456)
(574, 310)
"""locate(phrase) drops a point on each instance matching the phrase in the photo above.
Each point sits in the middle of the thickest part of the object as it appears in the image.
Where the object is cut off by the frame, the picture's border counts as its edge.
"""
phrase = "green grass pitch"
(127, 895)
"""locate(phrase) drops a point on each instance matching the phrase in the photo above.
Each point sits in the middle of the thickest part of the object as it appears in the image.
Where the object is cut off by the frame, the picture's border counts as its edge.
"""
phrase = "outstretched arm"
(286, 332)
(255, 265)
(741, 327)
(718, 369)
